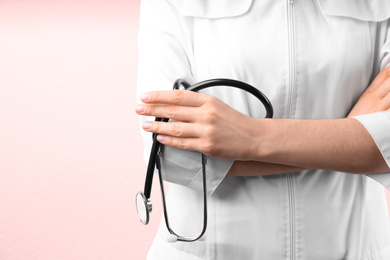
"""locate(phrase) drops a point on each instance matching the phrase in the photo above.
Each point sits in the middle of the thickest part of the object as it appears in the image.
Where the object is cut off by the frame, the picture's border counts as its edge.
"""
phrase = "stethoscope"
(143, 203)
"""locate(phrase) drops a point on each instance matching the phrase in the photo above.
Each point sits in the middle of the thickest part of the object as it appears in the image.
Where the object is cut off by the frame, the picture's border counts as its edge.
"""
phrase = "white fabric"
(313, 59)
(378, 125)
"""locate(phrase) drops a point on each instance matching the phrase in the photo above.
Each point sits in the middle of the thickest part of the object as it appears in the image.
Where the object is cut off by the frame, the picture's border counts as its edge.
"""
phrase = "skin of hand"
(208, 126)
(376, 98)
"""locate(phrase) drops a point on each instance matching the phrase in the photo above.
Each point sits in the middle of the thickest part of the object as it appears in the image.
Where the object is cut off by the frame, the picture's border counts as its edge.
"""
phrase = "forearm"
(338, 144)
(333, 144)
(342, 144)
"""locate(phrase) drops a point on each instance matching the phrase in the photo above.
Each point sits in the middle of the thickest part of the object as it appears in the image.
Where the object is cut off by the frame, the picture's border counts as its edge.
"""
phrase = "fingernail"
(147, 125)
(139, 108)
(145, 97)
(160, 138)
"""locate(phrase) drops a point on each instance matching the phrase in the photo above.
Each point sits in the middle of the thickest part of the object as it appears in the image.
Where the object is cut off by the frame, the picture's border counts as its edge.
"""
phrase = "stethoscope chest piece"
(144, 207)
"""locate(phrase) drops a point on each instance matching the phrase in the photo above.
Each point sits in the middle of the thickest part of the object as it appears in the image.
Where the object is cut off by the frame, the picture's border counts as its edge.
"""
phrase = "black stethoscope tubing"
(196, 88)
(154, 160)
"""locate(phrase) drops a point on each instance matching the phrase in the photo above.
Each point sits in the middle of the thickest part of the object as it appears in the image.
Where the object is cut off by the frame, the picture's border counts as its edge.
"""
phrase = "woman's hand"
(376, 98)
(206, 124)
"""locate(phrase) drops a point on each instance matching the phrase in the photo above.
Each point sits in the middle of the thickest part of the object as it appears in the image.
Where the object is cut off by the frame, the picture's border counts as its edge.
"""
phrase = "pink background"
(71, 153)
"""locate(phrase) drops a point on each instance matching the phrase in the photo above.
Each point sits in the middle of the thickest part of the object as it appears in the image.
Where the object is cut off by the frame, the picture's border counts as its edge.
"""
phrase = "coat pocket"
(212, 9)
(365, 10)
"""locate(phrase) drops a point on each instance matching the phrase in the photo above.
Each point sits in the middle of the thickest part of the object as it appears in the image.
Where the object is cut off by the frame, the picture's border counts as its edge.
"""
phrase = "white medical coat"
(313, 59)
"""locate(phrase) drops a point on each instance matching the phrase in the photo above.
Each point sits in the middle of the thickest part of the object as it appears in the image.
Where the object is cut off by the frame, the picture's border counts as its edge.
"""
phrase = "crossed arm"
(269, 146)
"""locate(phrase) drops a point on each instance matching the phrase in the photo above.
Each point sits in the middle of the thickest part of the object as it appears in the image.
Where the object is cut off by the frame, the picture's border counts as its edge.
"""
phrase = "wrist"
(262, 139)
(282, 140)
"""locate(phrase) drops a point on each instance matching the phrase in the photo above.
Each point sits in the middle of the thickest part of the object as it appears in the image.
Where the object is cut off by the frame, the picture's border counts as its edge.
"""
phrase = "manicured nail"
(145, 97)
(160, 138)
(139, 108)
(147, 125)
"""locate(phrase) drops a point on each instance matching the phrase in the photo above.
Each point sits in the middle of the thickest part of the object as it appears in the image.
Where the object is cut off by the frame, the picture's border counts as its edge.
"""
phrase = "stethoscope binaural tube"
(143, 203)
(236, 84)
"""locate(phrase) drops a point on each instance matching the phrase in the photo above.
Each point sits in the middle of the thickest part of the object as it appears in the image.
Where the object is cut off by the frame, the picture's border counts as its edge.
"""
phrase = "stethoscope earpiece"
(171, 238)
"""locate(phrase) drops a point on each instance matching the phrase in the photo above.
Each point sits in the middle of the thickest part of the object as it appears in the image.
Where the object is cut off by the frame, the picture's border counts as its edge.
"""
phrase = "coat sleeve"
(163, 58)
(378, 124)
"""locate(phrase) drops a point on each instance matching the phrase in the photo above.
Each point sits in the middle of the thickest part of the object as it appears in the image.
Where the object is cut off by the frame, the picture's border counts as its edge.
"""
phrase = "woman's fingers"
(182, 143)
(175, 112)
(174, 104)
(176, 129)
(175, 97)
(381, 83)
(208, 125)
(181, 135)
(377, 96)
